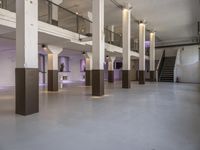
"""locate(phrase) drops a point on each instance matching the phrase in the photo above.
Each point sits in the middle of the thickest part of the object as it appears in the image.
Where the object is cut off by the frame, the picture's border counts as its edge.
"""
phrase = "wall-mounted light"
(44, 47)
(83, 53)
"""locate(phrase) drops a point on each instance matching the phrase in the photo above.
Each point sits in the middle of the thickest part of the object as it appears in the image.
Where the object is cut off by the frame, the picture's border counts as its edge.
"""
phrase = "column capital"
(111, 58)
(88, 55)
(52, 49)
(128, 6)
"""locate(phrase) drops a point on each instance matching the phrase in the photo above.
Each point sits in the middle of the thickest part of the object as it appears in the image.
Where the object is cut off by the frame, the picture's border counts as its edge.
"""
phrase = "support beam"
(126, 25)
(142, 53)
(88, 69)
(54, 51)
(152, 56)
(111, 74)
(98, 48)
(27, 75)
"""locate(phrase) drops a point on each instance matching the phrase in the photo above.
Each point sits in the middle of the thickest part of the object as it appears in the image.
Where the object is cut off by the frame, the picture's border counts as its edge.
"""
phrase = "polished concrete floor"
(162, 116)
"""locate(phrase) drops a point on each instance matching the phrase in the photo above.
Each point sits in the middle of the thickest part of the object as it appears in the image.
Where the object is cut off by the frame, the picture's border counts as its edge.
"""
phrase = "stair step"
(167, 73)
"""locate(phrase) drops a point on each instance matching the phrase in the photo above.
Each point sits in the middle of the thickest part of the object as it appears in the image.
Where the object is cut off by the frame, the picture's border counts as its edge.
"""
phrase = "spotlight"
(44, 47)
(83, 53)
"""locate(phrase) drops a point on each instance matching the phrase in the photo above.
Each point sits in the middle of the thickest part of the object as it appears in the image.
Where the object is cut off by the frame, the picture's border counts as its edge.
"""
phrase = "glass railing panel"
(43, 13)
(8, 5)
(107, 36)
(67, 20)
(117, 39)
(113, 38)
(84, 27)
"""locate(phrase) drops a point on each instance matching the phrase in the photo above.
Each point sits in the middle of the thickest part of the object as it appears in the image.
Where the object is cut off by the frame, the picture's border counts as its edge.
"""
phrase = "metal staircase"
(167, 71)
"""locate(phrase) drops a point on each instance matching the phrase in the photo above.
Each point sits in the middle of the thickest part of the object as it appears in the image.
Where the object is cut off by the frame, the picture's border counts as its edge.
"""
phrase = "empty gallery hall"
(99, 75)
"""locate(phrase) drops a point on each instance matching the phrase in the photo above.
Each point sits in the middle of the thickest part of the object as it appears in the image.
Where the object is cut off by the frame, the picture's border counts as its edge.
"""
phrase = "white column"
(142, 53)
(126, 25)
(88, 69)
(27, 24)
(53, 69)
(88, 61)
(53, 53)
(152, 51)
(98, 35)
(111, 73)
(98, 48)
(27, 79)
(152, 56)
(111, 61)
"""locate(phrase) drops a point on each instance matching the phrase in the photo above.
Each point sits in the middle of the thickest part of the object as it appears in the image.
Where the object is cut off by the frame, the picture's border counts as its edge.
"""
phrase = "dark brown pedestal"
(97, 82)
(53, 80)
(126, 80)
(54, 22)
(27, 91)
(152, 76)
(111, 76)
(88, 77)
(141, 77)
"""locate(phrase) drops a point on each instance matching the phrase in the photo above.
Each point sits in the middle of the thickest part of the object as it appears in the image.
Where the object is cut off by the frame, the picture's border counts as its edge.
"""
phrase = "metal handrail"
(159, 66)
(78, 26)
(69, 11)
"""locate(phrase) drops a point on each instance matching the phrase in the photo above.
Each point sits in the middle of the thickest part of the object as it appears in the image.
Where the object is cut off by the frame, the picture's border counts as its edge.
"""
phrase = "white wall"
(74, 68)
(188, 66)
(189, 55)
(7, 67)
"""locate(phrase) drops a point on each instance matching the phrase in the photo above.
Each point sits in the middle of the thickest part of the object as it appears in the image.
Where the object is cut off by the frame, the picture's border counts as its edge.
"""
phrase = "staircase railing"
(159, 66)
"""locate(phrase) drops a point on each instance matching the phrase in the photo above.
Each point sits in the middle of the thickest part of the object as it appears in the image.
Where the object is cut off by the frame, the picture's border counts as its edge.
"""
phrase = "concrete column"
(142, 53)
(98, 48)
(54, 11)
(26, 73)
(126, 25)
(152, 56)
(54, 51)
(111, 61)
(88, 69)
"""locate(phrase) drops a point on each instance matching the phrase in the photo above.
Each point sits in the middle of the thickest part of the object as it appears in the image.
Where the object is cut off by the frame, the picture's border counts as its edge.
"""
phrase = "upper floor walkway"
(71, 31)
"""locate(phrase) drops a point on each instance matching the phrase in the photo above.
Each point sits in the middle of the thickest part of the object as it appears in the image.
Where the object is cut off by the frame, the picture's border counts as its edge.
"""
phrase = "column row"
(27, 91)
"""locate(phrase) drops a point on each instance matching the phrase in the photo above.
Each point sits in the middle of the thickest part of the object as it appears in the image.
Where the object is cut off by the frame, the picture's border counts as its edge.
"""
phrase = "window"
(63, 64)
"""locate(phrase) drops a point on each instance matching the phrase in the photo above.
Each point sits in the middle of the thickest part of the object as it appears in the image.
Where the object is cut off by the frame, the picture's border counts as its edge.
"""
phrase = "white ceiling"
(172, 19)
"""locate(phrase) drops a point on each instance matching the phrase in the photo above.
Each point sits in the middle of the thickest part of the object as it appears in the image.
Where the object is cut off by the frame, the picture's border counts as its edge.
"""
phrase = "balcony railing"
(8, 5)
(67, 19)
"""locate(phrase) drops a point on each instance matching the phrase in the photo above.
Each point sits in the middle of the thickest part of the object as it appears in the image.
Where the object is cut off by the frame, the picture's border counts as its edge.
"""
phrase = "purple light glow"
(147, 44)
